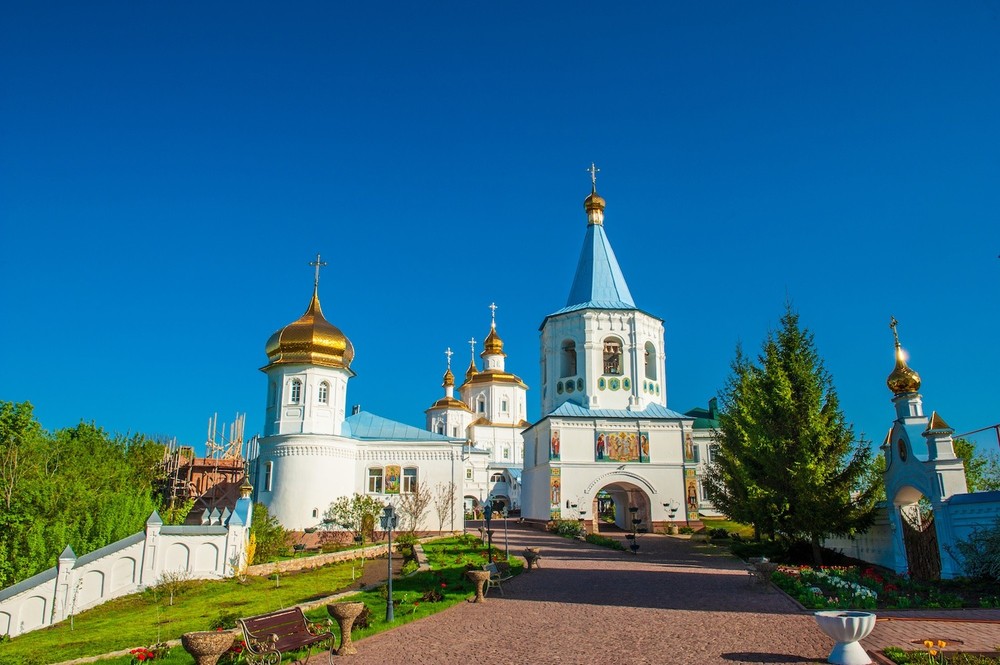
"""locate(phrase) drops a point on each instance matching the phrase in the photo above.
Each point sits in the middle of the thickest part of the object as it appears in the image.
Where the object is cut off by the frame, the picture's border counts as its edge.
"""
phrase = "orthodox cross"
(593, 175)
(318, 264)
(472, 347)
(493, 314)
(892, 324)
(449, 353)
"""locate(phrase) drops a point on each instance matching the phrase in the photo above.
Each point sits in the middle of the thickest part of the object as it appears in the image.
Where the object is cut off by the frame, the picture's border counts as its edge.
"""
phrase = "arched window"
(296, 392)
(650, 361)
(440, 428)
(612, 356)
(315, 512)
(324, 393)
(481, 404)
(268, 468)
(496, 478)
(568, 365)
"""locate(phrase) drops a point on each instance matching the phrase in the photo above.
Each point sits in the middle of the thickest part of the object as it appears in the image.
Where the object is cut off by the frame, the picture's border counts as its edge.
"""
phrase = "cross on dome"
(493, 314)
(892, 324)
(472, 347)
(448, 352)
(593, 175)
(318, 264)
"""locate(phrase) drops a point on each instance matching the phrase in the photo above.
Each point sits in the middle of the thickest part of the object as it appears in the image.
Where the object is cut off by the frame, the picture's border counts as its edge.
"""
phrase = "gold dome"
(902, 380)
(311, 340)
(449, 379)
(472, 371)
(594, 202)
(493, 346)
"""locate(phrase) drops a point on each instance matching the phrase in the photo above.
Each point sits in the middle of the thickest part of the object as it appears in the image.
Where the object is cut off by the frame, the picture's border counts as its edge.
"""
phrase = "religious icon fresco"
(554, 445)
(555, 493)
(621, 447)
(691, 492)
(688, 447)
(392, 479)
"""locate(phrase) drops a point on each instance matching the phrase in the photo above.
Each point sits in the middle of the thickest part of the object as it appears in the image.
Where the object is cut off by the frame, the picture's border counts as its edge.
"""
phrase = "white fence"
(207, 551)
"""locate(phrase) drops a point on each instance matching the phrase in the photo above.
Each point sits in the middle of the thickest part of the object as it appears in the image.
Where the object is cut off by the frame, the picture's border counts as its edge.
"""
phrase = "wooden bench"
(499, 573)
(270, 635)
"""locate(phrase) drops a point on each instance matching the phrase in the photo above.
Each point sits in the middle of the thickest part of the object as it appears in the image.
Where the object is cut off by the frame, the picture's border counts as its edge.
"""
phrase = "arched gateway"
(612, 503)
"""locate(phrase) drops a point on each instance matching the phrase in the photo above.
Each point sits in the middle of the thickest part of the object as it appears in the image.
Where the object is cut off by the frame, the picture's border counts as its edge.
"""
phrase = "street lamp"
(389, 520)
(487, 517)
(506, 544)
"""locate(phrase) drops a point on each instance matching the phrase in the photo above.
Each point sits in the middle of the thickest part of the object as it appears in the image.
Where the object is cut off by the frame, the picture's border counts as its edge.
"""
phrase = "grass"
(144, 619)
(744, 530)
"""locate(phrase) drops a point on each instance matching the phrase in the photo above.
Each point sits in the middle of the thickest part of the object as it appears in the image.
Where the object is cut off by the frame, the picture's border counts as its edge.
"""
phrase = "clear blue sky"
(167, 170)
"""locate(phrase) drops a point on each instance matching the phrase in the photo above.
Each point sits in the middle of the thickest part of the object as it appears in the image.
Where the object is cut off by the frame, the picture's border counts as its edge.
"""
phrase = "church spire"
(599, 281)
(903, 379)
(473, 370)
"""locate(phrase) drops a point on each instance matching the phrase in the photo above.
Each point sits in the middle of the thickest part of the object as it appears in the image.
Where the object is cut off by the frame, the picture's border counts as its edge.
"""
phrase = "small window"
(268, 468)
(409, 481)
(713, 451)
(506, 452)
(612, 356)
(272, 392)
(503, 405)
(481, 405)
(496, 478)
(650, 361)
(468, 474)
(374, 481)
(454, 431)
(315, 512)
(440, 428)
(568, 365)
(296, 394)
(324, 393)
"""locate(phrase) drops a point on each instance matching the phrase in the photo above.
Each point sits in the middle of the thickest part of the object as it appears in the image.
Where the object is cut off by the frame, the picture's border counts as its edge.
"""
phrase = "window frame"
(408, 477)
(376, 474)
(295, 391)
(607, 356)
(323, 393)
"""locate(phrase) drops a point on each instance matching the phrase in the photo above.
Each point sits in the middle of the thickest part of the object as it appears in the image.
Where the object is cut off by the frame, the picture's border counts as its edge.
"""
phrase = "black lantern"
(389, 520)
(487, 517)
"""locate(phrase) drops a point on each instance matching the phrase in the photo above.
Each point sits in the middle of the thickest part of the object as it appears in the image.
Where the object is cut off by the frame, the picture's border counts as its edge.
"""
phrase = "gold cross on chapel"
(318, 264)
(593, 175)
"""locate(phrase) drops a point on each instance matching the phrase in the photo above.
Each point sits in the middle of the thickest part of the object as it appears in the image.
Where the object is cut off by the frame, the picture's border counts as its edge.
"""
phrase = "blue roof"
(993, 496)
(366, 425)
(599, 282)
(651, 411)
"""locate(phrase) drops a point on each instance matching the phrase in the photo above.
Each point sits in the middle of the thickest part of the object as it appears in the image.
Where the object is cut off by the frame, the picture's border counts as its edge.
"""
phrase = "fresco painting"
(554, 445)
(392, 472)
(691, 493)
(555, 494)
(621, 447)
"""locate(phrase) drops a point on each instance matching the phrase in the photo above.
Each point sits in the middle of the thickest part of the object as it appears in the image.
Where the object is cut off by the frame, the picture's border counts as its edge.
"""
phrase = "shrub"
(410, 567)
(686, 530)
(604, 541)
(980, 553)
(718, 533)
(225, 621)
(568, 528)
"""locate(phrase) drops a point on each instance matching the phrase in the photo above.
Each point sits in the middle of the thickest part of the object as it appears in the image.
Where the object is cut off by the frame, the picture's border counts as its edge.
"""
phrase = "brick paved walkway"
(677, 602)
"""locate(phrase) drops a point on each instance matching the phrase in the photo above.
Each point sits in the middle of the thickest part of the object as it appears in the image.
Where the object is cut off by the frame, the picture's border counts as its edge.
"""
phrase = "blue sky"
(167, 171)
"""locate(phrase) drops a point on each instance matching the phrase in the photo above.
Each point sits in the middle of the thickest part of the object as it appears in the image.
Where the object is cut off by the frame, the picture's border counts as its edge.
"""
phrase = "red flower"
(443, 585)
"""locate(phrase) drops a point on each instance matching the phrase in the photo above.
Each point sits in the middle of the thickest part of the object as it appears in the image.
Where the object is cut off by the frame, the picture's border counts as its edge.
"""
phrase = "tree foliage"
(268, 534)
(788, 463)
(79, 486)
(982, 472)
(413, 506)
(358, 514)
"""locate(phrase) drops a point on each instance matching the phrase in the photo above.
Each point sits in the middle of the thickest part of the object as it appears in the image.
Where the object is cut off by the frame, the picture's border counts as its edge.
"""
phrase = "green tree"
(788, 462)
(982, 472)
(358, 514)
(271, 537)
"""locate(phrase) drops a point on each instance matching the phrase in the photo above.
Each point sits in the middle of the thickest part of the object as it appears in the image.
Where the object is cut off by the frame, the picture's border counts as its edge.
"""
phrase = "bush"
(980, 553)
(225, 621)
(568, 528)
(686, 530)
(604, 541)
(718, 533)
(774, 551)
(410, 567)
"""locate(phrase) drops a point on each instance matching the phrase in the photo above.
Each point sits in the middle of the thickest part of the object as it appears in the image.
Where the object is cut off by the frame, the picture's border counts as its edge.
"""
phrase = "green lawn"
(744, 530)
(142, 620)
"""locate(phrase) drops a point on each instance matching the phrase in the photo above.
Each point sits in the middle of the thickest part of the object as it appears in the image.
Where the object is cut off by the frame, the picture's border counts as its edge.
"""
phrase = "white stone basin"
(846, 627)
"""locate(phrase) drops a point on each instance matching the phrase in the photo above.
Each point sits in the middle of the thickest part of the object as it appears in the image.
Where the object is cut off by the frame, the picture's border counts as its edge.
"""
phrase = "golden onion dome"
(594, 202)
(493, 346)
(903, 379)
(472, 371)
(310, 340)
(449, 379)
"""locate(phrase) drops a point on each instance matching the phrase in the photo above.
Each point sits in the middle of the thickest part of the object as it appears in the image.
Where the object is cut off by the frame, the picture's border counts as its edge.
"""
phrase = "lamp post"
(506, 544)
(487, 517)
(389, 520)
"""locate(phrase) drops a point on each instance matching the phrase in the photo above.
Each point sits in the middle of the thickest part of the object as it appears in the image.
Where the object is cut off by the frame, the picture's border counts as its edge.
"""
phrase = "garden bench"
(499, 573)
(270, 635)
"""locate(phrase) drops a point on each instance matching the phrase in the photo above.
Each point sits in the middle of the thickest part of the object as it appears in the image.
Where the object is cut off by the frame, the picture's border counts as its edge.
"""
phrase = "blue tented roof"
(599, 282)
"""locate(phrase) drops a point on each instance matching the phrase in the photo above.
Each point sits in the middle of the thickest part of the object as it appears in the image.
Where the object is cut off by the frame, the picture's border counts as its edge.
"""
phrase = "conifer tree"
(788, 462)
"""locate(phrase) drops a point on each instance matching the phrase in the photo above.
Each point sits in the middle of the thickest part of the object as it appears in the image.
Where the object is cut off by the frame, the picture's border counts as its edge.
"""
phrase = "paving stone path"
(676, 602)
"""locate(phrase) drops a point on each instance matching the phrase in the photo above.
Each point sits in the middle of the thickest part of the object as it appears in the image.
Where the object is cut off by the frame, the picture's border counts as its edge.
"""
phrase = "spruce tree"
(788, 463)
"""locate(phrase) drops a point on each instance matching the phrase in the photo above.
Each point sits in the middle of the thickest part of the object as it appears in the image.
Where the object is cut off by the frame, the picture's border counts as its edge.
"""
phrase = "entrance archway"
(919, 534)
(611, 505)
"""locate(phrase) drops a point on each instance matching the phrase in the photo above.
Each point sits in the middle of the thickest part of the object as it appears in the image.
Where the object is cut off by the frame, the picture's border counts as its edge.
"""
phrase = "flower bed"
(854, 587)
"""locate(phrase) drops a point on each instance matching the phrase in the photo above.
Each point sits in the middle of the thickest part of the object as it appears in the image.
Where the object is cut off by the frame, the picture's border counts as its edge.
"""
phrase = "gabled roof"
(599, 282)
(652, 411)
(365, 425)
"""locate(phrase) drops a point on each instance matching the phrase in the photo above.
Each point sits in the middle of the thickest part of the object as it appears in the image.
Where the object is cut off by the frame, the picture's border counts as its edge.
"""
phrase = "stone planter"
(207, 646)
(846, 628)
(345, 614)
(479, 578)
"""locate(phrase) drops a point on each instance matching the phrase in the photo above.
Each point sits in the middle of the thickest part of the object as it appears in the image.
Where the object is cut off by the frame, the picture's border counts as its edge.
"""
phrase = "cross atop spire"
(593, 175)
(472, 347)
(892, 324)
(493, 314)
(318, 264)
(448, 352)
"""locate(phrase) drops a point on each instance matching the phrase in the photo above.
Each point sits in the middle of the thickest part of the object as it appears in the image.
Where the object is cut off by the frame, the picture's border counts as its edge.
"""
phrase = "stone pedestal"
(479, 577)
(846, 628)
(345, 614)
(206, 647)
